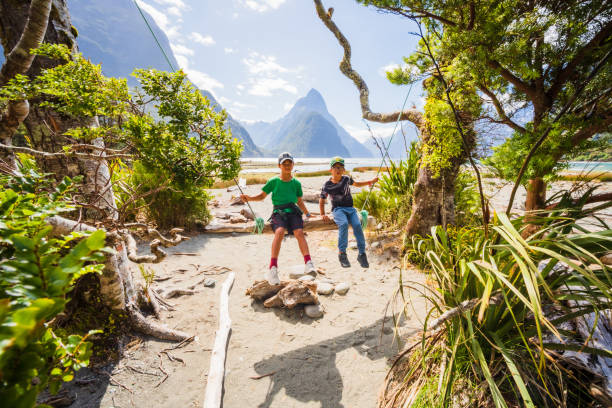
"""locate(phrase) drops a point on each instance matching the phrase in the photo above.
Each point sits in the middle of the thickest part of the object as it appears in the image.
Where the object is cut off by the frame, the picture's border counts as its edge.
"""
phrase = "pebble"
(306, 278)
(325, 280)
(342, 288)
(314, 311)
(375, 244)
(210, 282)
(353, 246)
(379, 226)
(325, 289)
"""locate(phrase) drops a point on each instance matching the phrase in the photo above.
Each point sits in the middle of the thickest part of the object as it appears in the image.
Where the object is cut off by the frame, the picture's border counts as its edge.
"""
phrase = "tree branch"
(411, 115)
(514, 80)
(545, 134)
(19, 60)
(500, 110)
(593, 199)
(39, 153)
(566, 73)
(423, 12)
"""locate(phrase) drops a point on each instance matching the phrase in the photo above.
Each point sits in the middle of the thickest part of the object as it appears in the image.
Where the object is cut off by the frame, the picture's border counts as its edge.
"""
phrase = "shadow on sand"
(310, 373)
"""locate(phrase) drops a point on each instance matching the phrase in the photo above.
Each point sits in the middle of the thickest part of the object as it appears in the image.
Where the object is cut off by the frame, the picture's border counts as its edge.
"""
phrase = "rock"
(236, 201)
(287, 293)
(379, 226)
(311, 196)
(325, 288)
(262, 290)
(237, 219)
(324, 280)
(353, 245)
(247, 214)
(342, 288)
(209, 282)
(314, 311)
(375, 244)
(306, 278)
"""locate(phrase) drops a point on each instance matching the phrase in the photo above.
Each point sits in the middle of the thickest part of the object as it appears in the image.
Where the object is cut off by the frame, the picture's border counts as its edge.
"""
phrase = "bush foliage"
(38, 271)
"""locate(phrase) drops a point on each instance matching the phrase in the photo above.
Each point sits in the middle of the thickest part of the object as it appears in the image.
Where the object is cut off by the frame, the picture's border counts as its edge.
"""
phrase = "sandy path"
(338, 360)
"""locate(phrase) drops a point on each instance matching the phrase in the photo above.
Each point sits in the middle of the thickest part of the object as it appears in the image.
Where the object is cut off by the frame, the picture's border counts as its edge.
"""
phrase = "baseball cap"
(335, 160)
(285, 156)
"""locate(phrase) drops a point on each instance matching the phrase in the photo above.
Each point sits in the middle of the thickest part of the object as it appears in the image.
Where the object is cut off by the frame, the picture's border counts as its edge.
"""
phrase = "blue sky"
(259, 56)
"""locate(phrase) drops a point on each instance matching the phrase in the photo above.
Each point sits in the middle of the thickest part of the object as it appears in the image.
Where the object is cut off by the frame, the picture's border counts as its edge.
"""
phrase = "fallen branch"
(216, 373)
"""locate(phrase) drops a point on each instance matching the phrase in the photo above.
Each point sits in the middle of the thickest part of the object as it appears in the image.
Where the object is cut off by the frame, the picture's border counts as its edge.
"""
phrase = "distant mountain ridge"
(113, 33)
(308, 113)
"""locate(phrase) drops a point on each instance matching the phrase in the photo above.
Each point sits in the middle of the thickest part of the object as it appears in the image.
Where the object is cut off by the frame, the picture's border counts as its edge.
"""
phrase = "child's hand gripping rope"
(259, 222)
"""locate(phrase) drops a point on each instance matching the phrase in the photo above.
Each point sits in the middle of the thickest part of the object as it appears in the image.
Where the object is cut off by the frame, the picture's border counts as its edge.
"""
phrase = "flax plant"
(501, 330)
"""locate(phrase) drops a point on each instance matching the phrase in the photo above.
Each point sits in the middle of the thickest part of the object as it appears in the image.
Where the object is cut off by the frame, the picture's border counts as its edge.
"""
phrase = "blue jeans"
(343, 216)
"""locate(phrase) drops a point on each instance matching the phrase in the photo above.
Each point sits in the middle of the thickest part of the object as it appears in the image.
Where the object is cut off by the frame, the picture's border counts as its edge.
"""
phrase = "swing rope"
(363, 213)
(259, 222)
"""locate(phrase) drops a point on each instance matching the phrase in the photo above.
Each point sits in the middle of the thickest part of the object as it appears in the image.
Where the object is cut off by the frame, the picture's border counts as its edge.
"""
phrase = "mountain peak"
(313, 100)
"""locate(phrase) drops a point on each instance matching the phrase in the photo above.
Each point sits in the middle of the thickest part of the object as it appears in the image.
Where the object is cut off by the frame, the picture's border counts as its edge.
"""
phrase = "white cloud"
(204, 40)
(160, 19)
(362, 133)
(179, 49)
(179, 4)
(229, 50)
(287, 106)
(240, 87)
(263, 5)
(175, 11)
(262, 64)
(203, 80)
(265, 86)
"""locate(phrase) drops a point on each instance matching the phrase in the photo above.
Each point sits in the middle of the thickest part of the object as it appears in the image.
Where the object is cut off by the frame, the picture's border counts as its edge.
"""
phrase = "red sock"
(306, 258)
(273, 262)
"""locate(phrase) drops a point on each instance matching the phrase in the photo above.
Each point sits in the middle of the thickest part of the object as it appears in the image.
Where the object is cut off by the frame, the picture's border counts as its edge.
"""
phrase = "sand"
(338, 360)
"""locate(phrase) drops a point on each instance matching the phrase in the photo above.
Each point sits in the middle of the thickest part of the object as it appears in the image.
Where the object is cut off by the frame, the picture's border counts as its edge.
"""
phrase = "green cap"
(335, 160)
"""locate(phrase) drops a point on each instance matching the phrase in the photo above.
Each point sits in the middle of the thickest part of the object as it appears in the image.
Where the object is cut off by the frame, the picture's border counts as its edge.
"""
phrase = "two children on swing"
(289, 206)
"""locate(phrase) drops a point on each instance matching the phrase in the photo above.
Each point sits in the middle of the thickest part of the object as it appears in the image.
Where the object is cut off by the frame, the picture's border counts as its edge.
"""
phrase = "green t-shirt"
(283, 192)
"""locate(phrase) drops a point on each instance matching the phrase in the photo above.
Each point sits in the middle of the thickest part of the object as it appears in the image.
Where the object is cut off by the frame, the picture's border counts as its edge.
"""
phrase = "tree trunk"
(433, 201)
(536, 195)
(535, 201)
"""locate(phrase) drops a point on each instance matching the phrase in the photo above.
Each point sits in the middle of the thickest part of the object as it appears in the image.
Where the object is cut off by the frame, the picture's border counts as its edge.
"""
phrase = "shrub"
(180, 204)
(517, 296)
(38, 271)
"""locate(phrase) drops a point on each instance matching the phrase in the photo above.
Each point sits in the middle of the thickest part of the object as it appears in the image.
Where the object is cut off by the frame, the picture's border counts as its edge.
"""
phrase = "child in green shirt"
(287, 214)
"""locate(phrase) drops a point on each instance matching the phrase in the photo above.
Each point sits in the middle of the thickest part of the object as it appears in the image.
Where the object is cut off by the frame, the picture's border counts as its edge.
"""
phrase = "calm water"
(307, 164)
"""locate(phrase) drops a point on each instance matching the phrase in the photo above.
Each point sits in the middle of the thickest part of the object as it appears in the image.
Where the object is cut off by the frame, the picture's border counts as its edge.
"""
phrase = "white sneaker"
(309, 269)
(271, 276)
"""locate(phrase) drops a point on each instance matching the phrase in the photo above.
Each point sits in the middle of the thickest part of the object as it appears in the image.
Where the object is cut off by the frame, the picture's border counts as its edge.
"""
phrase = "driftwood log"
(216, 373)
(315, 223)
(287, 293)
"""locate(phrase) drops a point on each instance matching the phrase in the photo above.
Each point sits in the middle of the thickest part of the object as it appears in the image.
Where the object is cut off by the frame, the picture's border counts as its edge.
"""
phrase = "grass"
(604, 176)
(370, 168)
